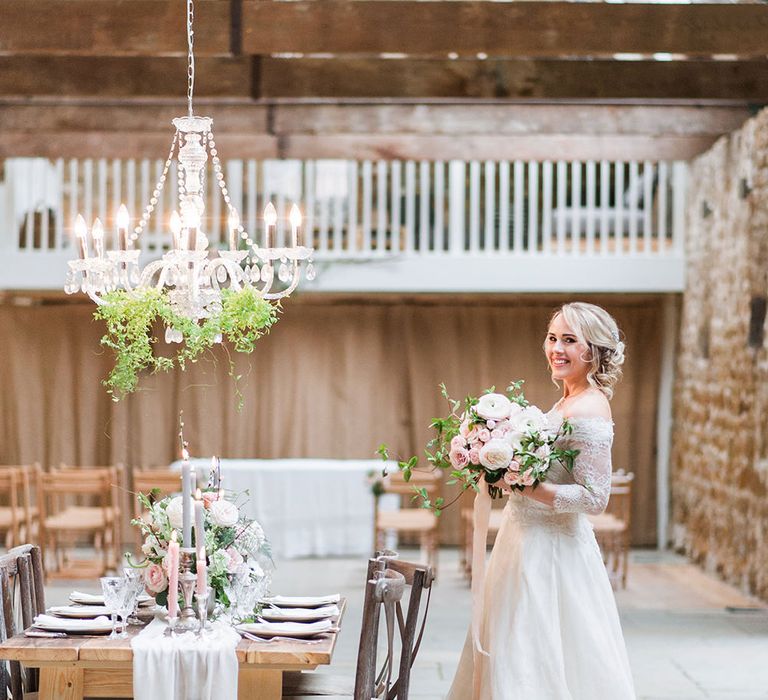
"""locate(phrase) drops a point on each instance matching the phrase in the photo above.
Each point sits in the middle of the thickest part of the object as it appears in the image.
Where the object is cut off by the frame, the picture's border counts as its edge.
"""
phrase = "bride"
(549, 619)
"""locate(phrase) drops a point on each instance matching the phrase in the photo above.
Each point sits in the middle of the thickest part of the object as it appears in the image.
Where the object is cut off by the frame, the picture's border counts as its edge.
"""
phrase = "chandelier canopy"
(190, 274)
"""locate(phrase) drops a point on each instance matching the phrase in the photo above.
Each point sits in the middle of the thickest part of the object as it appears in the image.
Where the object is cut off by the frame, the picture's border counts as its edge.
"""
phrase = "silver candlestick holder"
(187, 621)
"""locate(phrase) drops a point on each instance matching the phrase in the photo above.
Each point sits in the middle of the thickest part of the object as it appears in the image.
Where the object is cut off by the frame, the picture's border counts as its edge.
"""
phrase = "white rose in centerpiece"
(496, 454)
(224, 514)
(174, 511)
(493, 407)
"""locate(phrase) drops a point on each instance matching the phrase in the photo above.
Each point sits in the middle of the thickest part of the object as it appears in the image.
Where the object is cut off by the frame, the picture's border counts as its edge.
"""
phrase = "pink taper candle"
(173, 576)
(202, 571)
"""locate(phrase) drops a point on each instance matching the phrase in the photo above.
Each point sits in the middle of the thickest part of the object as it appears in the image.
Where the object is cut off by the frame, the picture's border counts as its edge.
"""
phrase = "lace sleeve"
(593, 438)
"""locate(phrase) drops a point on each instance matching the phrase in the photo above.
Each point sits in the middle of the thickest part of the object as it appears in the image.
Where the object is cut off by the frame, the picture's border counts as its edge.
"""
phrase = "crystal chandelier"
(191, 278)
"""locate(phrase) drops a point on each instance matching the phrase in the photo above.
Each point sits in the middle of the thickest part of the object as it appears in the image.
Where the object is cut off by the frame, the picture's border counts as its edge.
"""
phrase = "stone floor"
(689, 636)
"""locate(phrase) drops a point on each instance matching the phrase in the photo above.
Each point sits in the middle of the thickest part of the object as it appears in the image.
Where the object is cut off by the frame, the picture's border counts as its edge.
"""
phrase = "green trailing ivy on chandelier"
(132, 317)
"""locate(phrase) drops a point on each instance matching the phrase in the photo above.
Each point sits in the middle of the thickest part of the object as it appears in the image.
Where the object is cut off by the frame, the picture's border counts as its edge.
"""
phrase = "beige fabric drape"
(334, 378)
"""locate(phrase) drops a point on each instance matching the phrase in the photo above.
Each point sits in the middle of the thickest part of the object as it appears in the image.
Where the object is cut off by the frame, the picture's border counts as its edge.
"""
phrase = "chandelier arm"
(294, 283)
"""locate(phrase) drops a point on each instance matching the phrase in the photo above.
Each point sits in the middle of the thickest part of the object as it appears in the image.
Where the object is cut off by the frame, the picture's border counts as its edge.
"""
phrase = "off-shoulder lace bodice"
(588, 488)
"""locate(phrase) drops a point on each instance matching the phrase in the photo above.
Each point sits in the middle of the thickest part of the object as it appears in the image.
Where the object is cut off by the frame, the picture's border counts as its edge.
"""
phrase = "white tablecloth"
(307, 507)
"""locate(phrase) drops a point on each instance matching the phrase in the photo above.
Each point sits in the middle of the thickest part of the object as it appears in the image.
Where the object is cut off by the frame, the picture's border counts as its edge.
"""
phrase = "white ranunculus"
(224, 514)
(530, 420)
(543, 452)
(514, 438)
(174, 511)
(493, 407)
(496, 454)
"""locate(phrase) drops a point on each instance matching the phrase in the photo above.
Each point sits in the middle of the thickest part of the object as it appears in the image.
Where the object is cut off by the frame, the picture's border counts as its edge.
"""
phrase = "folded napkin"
(287, 601)
(98, 598)
(300, 614)
(185, 667)
(287, 629)
(62, 624)
(79, 611)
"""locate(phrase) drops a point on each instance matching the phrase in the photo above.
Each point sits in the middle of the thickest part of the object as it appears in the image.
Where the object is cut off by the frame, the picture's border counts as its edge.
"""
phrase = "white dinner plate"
(98, 598)
(79, 611)
(49, 623)
(287, 629)
(287, 601)
(299, 614)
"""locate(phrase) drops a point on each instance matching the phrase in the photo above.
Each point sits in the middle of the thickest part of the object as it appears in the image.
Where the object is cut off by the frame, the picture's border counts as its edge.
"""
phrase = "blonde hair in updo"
(595, 327)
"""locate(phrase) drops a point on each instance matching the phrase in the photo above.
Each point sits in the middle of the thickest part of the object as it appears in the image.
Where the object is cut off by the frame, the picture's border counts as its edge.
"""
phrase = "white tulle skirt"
(550, 623)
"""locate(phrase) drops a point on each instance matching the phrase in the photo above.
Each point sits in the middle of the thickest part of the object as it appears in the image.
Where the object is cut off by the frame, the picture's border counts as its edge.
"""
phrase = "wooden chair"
(468, 528)
(164, 482)
(21, 582)
(387, 581)
(612, 528)
(18, 517)
(418, 521)
(64, 519)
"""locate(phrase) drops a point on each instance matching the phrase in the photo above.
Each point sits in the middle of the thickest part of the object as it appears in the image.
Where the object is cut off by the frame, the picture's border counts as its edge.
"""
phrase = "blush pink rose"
(484, 434)
(511, 478)
(514, 466)
(459, 458)
(474, 456)
(491, 424)
(457, 443)
(155, 579)
(527, 479)
(234, 559)
(464, 428)
(209, 497)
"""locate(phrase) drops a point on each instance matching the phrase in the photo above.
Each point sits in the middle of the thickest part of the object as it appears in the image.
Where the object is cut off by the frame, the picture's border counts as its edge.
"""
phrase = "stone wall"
(720, 447)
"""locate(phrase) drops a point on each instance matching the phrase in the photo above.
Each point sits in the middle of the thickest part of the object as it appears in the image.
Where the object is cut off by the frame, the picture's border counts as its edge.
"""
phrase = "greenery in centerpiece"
(131, 318)
(236, 545)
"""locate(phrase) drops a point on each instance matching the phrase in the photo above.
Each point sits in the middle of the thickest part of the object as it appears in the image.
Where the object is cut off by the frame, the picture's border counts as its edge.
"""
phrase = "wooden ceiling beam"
(371, 27)
(512, 78)
(433, 132)
(351, 77)
(528, 29)
(112, 27)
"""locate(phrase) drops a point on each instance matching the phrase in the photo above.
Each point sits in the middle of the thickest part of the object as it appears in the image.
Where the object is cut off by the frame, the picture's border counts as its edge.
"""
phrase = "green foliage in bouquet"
(131, 316)
(534, 447)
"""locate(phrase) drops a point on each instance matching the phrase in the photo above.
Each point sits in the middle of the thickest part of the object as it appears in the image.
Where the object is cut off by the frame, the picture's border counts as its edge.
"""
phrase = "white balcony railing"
(575, 218)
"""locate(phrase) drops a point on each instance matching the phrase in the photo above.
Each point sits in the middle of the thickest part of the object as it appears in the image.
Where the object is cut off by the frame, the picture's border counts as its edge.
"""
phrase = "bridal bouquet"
(501, 438)
(236, 545)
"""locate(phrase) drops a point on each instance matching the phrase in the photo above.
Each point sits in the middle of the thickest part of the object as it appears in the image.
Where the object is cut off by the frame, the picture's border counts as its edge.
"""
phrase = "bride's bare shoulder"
(589, 404)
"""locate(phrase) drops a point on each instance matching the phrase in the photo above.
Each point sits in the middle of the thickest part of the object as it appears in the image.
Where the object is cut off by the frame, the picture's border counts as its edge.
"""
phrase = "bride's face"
(565, 353)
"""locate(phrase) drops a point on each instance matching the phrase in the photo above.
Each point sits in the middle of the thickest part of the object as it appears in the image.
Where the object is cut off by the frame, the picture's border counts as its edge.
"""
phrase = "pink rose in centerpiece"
(224, 513)
(209, 497)
(484, 434)
(474, 455)
(234, 559)
(155, 579)
(459, 458)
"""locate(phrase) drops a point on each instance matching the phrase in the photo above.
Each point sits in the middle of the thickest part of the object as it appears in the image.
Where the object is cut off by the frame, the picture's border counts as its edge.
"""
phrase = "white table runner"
(185, 667)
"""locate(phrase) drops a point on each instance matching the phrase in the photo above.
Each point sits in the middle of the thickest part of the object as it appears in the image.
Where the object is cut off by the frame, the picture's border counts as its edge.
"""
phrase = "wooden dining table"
(75, 667)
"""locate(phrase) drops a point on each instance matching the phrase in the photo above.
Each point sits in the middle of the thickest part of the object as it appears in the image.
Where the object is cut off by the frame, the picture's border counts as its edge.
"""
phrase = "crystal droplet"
(221, 274)
(311, 274)
(266, 273)
(282, 273)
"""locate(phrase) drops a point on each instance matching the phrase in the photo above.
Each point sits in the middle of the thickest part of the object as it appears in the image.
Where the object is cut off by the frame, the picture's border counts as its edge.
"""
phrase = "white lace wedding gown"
(550, 623)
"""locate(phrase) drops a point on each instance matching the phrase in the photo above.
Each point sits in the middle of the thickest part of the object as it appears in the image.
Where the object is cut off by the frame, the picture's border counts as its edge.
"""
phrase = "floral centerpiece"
(235, 545)
(499, 438)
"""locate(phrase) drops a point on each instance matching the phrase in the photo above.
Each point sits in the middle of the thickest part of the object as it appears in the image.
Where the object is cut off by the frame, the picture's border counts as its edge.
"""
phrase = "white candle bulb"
(81, 231)
(295, 218)
(97, 231)
(270, 219)
(123, 221)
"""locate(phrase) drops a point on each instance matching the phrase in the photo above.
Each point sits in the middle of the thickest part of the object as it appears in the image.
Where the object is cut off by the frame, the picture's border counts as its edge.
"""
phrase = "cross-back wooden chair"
(612, 528)
(18, 517)
(163, 482)
(22, 597)
(388, 583)
(64, 518)
(418, 521)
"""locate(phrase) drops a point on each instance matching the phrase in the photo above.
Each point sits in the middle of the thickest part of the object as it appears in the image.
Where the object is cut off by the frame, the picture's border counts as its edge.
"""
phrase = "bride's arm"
(591, 472)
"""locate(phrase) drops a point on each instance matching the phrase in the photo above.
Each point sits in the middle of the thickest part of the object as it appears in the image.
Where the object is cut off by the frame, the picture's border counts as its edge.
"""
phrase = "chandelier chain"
(190, 55)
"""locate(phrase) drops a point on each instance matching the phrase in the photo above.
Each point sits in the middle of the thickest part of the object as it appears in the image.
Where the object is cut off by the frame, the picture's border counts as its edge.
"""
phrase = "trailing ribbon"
(481, 514)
